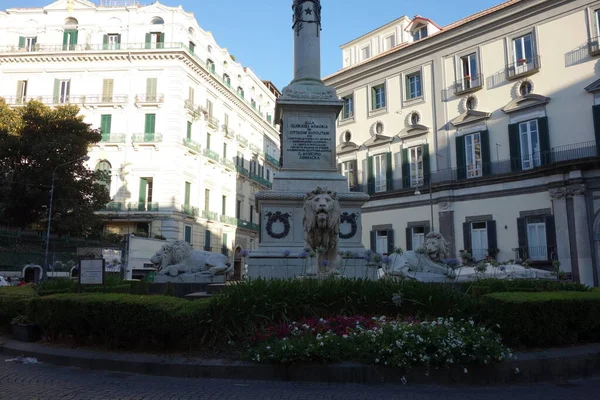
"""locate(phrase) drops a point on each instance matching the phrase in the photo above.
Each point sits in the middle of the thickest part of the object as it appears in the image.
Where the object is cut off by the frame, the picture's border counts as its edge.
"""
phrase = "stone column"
(563, 248)
(582, 235)
(307, 40)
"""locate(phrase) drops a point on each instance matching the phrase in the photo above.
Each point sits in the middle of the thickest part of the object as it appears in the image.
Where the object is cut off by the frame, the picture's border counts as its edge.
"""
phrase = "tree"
(34, 140)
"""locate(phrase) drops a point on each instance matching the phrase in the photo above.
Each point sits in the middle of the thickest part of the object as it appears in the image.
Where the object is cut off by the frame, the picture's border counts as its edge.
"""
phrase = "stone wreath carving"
(351, 219)
(277, 216)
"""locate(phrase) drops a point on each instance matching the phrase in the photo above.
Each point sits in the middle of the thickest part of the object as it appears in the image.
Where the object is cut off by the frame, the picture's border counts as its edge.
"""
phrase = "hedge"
(544, 319)
(120, 320)
(14, 301)
(486, 286)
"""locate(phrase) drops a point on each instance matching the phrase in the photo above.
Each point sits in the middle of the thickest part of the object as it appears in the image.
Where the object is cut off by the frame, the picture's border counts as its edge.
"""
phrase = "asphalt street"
(48, 382)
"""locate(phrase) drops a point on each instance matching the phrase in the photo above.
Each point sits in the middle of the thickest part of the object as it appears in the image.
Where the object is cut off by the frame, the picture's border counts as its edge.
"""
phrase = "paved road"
(48, 382)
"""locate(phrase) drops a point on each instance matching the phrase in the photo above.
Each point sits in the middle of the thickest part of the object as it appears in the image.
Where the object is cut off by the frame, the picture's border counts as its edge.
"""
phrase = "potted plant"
(522, 61)
(24, 330)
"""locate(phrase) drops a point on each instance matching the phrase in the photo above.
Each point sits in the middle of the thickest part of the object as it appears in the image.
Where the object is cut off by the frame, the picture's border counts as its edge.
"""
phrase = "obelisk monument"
(307, 112)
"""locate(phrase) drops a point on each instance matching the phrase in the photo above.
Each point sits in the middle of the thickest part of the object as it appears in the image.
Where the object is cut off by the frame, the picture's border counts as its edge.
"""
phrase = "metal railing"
(143, 206)
(190, 144)
(242, 140)
(105, 99)
(254, 148)
(468, 84)
(248, 225)
(229, 220)
(594, 46)
(536, 254)
(228, 163)
(113, 138)
(212, 122)
(213, 155)
(272, 160)
(242, 171)
(147, 138)
(260, 180)
(523, 67)
(210, 215)
(155, 98)
(189, 210)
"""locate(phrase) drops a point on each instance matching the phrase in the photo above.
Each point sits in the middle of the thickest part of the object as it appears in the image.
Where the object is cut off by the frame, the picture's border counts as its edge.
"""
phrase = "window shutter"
(189, 130)
(467, 236)
(151, 85)
(594, 24)
(492, 237)
(119, 41)
(551, 237)
(370, 176)
(486, 159)
(426, 164)
(20, 96)
(162, 40)
(354, 181)
(461, 161)
(515, 147)
(105, 123)
(188, 190)
(405, 169)
(148, 40)
(390, 239)
(522, 236)
(74, 34)
(142, 193)
(373, 240)
(56, 90)
(107, 89)
(21, 42)
(388, 171)
(596, 114)
(373, 98)
(544, 140)
(406, 88)
(188, 234)
(65, 40)
(105, 42)
(207, 235)
(409, 239)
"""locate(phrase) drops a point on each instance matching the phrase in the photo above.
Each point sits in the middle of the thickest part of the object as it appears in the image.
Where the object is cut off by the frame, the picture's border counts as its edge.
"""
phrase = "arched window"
(226, 80)
(210, 64)
(240, 91)
(105, 168)
(71, 23)
(70, 34)
(157, 21)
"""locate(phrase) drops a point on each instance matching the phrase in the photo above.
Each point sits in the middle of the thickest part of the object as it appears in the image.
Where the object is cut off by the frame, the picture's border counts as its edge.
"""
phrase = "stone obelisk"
(307, 112)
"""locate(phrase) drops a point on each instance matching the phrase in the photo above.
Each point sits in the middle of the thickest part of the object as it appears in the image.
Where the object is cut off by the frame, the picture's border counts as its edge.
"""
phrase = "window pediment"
(469, 117)
(377, 140)
(347, 147)
(593, 87)
(525, 102)
(413, 131)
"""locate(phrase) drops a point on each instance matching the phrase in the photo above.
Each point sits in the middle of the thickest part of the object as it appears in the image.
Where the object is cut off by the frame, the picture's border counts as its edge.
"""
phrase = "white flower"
(465, 371)
(517, 370)
(345, 336)
(268, 347)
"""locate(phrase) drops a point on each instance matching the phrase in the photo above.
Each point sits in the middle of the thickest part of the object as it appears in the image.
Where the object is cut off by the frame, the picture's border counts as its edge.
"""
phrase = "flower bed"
(377, 340)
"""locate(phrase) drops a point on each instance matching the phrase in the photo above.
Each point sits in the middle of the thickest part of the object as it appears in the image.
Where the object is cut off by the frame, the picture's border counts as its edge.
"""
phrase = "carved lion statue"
(321, 224)
(428, 259)
(436, 247)
(178, 257)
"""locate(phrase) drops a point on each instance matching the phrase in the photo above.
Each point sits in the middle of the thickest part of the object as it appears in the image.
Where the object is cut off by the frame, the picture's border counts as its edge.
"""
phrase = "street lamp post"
(45, 268)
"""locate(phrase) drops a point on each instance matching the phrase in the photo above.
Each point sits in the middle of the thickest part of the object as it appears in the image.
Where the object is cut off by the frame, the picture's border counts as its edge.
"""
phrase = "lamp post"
(45, 268)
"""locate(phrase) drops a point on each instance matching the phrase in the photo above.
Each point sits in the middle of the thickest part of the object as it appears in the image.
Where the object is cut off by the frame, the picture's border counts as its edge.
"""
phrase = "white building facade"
(187, 132)
(486, 130)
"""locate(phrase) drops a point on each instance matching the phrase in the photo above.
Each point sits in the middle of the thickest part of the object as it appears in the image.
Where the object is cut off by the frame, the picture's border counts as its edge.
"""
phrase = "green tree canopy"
(34, 141)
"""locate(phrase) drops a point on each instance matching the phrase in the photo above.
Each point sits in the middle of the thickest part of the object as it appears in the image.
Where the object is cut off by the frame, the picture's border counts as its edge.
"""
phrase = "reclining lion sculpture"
(178, 257)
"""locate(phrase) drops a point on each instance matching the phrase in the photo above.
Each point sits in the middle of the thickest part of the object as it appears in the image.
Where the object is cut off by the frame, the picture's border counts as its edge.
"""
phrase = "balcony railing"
(536, 254)
(255, 149)
(190, 144)
(146, 206)
(114, 206)
(523, 67)
(113, 138)
(212, 122)
(260, 180)
(228, 163)
(20, 100)
(556, 155)
(229, 220)
(272, 160)
(242, 171)
(115, 99)
(468, 84)
(228, 131)
(242, 140)
(147, 138)
(210, 215)
(248, 225)
(149, 98)
(189, 210)
(213, 155)
(594, 46)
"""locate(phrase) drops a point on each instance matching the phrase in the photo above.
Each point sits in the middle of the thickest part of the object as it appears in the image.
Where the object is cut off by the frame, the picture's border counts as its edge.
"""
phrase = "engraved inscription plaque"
(309, 142)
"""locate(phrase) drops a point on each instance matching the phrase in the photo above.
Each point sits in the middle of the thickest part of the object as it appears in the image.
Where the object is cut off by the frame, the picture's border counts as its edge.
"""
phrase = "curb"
(555, 365)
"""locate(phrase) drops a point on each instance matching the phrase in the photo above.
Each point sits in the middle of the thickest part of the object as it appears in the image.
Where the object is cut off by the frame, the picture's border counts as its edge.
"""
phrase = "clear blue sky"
(259, 32)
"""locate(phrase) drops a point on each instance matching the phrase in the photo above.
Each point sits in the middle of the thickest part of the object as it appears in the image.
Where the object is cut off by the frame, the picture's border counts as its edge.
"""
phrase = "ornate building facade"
(188, 134)
(486, 130)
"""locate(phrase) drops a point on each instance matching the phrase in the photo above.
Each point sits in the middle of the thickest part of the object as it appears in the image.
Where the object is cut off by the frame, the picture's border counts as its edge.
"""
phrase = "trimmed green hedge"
(544, 319)
(14, 301)
(487, 286)
(120, 320)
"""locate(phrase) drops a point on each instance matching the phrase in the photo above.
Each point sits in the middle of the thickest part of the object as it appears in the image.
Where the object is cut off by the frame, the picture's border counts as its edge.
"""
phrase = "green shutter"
(372, 98)
(20, 96)
(515, 147)
(405, 169)
(21, 42)
(142, 194)
(56, 92)
(74, 35)
(225, 243)
(151, 85)
(544, 140)
(188, 190)
(148, 40)
(189, 130)
(426, 164)
(461, 161)
(107, 90)
(594, 26)
(370, 176)
(149, 127)
(66, 40)
(389, 171)
(207, 235)
(596, 115)
(105, 123)
(486, 159)
(105, 42)
(188, 234)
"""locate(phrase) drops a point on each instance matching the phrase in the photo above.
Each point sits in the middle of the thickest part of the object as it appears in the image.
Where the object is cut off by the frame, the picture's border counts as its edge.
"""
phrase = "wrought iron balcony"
(248, 225)
(61, 99)
(190, 210)
(594, 46)
(113, 138)
(213, 155)
(229, 220)
(261, 181)
(228, 163)
(242, 171)
(228, 131)
(212, 122)
(143, 206)
(190, 144)
(523, 67)
(242, 140)
(468, 84)
(20, 100)
(104, 100)
(114, 206)
(147, 138)
(210, 215)
(149, 99)
(272, 160)
(255, 149)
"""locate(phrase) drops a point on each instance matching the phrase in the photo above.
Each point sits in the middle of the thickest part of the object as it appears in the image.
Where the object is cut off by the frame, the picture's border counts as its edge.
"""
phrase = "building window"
(473, 156)
(365, 53)
(390, 42)
(253, 103)
(187, 236)
(419, 33)
(413, 86)
(108, 86)
(27, 43)
(479, 240)
(157, 21)
(105, 126)
(207, 141)
(21, 92)
(210, 64)
(224, 205)
(417, 236)
(145, 194)
(378, 97)
(209, 107)
(348, 110)
(240, 92)
(191, 94)
(469, 71)
(523, 49)
(104, 167)
(187, 193)
(149, 127)
(189, 130)
(207, 237)
(416, 166)
(227, 80)
(537, 248)
(112, 41)
(268, 174)
(471, 102)
(381, 242)
(238, 209)
(62, 88)
(192, 47)
(251, 213)
(224, 150)
(151, 89)
(348, 169)
(155, 40)
(70, 39)
(206, 200)
(225, 244)
(380, 172)
(530, 144)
